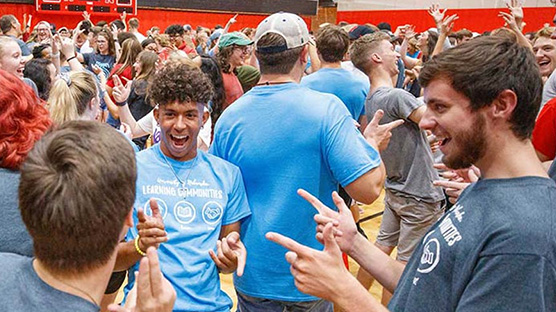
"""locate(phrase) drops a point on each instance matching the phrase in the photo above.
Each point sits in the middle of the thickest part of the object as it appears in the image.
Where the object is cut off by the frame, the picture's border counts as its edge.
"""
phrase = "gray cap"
(290, 26)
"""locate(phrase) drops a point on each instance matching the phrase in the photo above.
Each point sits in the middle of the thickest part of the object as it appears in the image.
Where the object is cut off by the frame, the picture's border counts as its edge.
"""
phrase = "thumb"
(330, 244)
(117, 81)
(116, 308)
(376, 118)
(155, 209)
(339, 202)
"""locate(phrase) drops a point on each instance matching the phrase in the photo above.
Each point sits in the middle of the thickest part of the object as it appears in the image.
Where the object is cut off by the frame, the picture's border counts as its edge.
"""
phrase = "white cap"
(290, 26)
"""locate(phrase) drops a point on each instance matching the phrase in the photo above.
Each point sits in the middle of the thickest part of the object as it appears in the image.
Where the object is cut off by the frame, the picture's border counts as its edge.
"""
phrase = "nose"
(427, 121)
(180, 124)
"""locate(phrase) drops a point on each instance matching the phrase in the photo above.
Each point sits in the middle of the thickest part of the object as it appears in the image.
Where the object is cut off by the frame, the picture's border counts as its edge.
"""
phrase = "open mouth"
(179, 141)
(19, 71)
(444, 141)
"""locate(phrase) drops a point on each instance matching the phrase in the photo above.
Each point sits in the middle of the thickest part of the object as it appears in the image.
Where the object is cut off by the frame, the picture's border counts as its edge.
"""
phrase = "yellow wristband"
(141, 252)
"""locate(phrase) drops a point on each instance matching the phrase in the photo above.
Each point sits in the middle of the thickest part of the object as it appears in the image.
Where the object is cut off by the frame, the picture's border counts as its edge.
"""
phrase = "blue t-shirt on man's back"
(350, 88)
(285, 137)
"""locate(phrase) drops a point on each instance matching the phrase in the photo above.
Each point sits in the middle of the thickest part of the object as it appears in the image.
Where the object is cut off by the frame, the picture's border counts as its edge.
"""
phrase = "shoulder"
(13, 261)
(217, 162)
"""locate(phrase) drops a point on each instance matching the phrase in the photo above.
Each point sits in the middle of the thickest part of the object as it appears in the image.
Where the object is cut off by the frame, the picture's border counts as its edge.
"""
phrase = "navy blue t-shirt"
(494, 250)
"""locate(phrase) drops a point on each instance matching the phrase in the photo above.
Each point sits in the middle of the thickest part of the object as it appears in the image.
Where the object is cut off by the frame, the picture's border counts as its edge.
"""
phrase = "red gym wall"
(478, 20)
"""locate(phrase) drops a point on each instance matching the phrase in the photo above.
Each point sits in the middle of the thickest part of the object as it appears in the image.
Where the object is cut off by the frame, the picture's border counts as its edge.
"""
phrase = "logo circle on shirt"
(212, 213)
(161, 206)
(430, 256)
(184, 212)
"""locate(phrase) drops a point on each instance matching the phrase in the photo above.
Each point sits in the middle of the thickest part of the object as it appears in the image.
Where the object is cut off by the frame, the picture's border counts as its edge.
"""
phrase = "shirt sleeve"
(348, 154)
(406, 105)
(237, 207)
(146, 123)
(544, 133)
(511, 282)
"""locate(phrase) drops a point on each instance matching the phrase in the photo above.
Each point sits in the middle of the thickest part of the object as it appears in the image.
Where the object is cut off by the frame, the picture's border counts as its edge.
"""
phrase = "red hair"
(23, 120)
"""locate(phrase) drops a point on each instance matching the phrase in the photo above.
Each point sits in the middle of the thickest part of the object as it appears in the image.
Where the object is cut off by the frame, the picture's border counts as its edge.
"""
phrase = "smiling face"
(237, 58)
(43, 30)
(450, 118)
(180, 124)
(11, 59)
(389, 57)
(545, 54)
(102, 44)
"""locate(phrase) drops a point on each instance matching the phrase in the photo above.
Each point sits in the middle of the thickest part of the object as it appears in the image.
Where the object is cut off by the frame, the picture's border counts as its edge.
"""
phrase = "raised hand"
(317, 273)
(447, 24)
(345, 229)
(66, 46)
(119, 91)
(154, 292)
(86, 16)
(516, 10)
(231, 254)
(380, 134)
(436, 13)
(151, 229)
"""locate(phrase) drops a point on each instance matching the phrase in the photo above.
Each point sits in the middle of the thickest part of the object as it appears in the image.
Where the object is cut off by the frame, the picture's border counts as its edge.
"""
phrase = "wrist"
(124, 103)
(139, 248)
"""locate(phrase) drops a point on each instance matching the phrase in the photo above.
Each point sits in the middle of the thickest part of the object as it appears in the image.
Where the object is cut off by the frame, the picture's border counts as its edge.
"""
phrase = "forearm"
(127, 256)
(112, 108)
(384, 269)
(351, 296)
(439, 47)
(126, 117)
(408, 61)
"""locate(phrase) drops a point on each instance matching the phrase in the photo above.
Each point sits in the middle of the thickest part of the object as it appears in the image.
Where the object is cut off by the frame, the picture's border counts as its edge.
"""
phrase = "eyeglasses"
(245, 50)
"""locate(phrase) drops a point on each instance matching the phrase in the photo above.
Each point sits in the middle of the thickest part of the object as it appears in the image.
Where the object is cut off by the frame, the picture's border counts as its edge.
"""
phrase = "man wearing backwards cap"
(305, 139)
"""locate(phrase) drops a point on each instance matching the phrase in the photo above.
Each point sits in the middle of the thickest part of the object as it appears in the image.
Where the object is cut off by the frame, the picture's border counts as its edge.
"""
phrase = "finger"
(227, 262)
(241, 254)
(315, 202)
(233, 237)
(141, 216)
(143, 281)
(394, 124)
(330, 243)
(152, 233)
(116, 308)
(215, 259)
(227, 251)
(320, 219)
(441, 166)
(450, 184)
(117, 81)
(340, 204)
(154, 273)
(291, 257)
(235, 16)
(376, 118)
(155, 210)
(287, 243)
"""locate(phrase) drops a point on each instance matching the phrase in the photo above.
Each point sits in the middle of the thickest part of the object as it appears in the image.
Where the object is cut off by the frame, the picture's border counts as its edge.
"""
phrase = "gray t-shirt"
(408, 158)
(494, 250)
(13, 233)
(23, 290)
(549, 89)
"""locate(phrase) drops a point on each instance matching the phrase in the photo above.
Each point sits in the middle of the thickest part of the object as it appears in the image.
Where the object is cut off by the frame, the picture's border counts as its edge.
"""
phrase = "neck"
(12, 32)
(380, 78)
(278, 78)
(506, 157)
(189, 156)
(89, 286)
(331, 65)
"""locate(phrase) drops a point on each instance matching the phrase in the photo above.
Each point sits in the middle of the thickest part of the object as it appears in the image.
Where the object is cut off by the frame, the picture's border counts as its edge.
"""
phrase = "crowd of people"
(154, 163)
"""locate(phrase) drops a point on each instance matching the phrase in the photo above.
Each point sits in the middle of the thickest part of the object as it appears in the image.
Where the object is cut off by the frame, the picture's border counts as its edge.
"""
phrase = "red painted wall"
(147, 18)
(478, 20)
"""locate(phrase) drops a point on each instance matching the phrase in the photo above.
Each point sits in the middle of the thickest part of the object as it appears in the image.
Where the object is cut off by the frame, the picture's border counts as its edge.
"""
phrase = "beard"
(468, 147)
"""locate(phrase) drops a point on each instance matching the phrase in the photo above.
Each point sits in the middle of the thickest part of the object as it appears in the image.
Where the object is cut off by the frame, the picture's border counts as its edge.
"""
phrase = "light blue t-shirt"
(351, 89)
(285, 137)
(193, 214)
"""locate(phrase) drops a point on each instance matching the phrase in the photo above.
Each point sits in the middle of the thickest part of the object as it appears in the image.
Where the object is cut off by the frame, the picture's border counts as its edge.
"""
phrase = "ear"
(304, 54)
(504, 105)
(129, 218)
(376, 58)
(156, 112)
(206, 115)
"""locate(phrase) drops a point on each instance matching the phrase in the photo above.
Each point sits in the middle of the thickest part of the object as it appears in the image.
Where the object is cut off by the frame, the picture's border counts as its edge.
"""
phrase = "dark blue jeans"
(251, 304)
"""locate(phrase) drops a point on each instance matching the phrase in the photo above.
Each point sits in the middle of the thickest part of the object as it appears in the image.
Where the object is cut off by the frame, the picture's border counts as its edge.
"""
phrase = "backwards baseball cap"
(236, 38)
(289, 26)
(360, 31)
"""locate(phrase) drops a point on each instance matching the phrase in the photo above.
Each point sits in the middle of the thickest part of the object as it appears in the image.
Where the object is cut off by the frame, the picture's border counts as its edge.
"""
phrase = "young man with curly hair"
(200, 199)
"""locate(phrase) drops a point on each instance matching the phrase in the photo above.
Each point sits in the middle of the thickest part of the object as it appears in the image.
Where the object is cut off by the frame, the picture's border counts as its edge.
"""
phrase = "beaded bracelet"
(141, 252)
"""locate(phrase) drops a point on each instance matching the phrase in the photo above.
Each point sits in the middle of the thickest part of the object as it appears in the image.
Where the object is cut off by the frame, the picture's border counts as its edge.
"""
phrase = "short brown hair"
(278, 62)
(332, 43)
(133, 23)
(484, 67)
(362, 48)
(6, 22)
(77, 187)
(545, 32)
(178, 82)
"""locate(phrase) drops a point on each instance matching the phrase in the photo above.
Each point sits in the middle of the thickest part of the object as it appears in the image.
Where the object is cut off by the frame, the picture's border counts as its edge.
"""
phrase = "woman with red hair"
(23, 121)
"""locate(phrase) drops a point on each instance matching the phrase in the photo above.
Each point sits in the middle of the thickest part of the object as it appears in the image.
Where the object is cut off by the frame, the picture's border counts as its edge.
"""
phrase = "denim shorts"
(251, 304)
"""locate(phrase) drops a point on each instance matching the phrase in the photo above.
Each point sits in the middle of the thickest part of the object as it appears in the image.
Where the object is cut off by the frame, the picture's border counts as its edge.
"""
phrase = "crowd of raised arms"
(149, 164)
